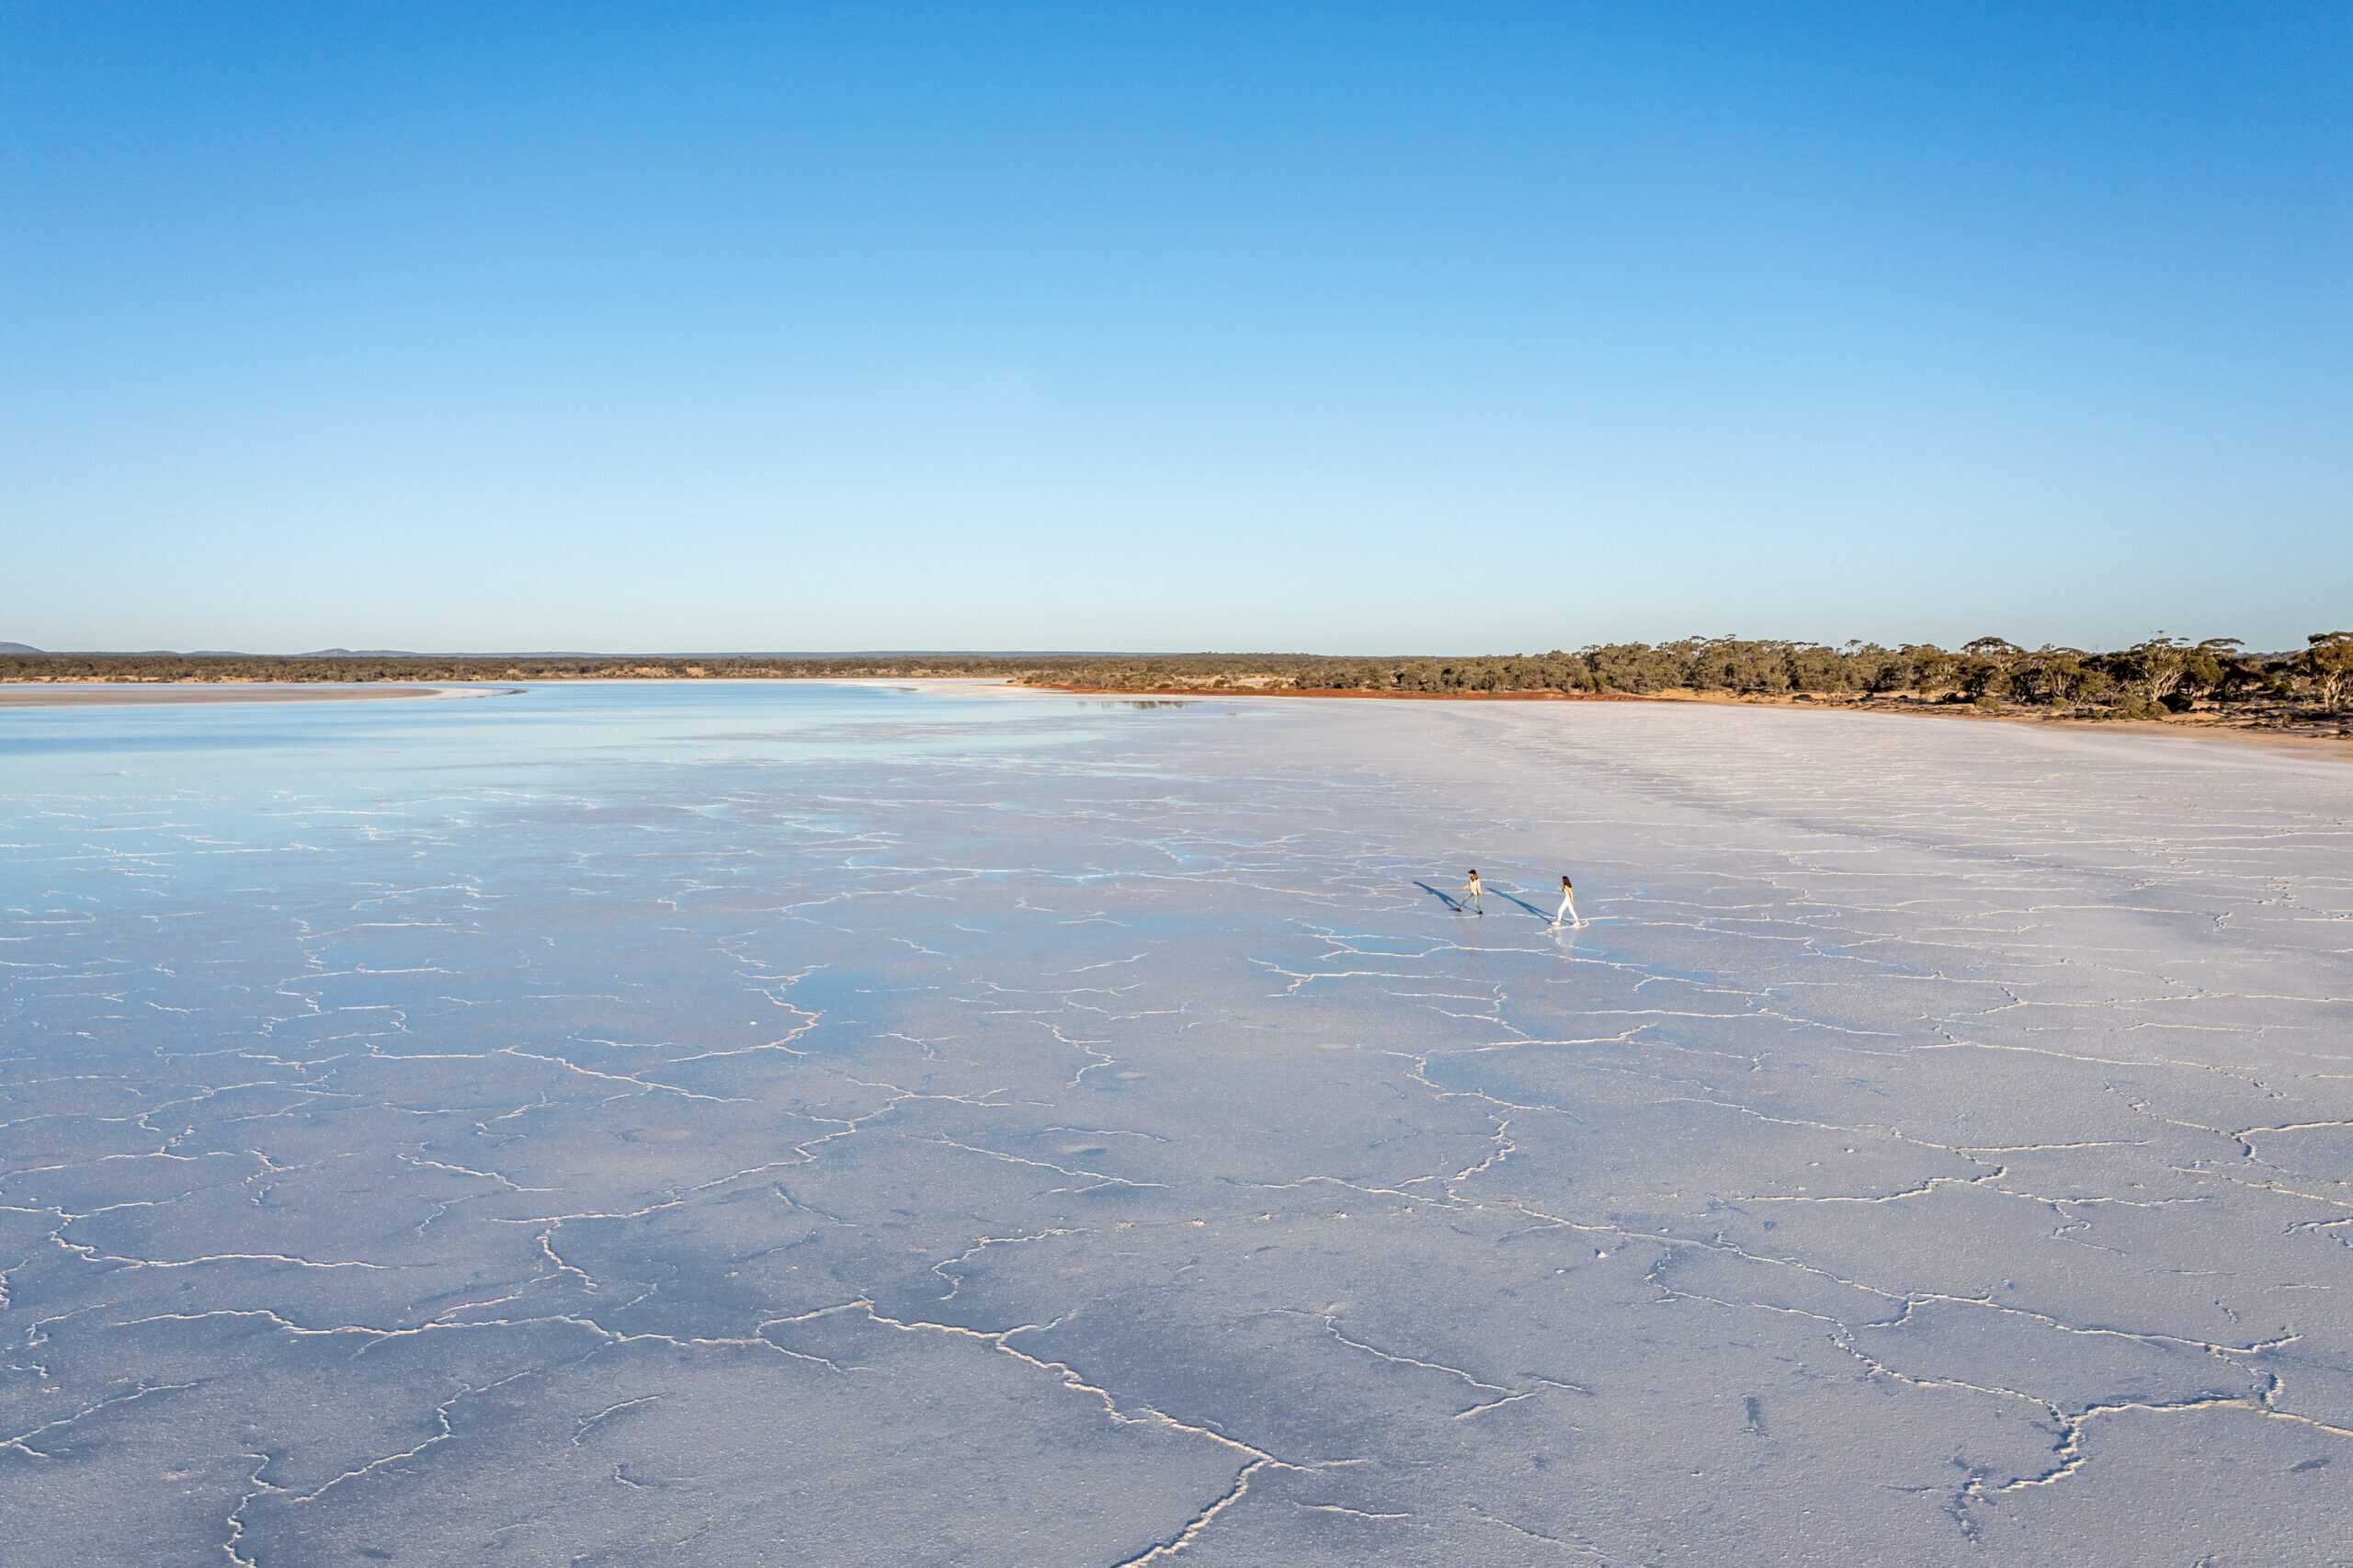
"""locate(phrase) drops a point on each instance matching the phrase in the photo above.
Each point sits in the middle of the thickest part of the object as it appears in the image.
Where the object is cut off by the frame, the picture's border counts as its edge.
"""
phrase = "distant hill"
(17, 648)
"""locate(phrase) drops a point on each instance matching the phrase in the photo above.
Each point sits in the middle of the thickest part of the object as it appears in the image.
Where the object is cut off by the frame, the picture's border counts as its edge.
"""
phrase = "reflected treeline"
(2154, 677)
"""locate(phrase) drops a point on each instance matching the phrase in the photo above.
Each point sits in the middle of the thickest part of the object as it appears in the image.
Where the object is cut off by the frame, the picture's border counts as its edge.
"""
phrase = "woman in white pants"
(1568, 905)
(1470, 898)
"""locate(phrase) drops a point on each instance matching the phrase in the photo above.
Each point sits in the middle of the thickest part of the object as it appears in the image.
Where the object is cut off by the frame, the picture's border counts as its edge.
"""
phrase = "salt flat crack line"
(22, 1441)
(1553, 1540)
(955, 1282)
(1504, 1395)
(1192, 1528)
(589, 1424)
(1097, 1177)
(646, 1084)
(440, 1416)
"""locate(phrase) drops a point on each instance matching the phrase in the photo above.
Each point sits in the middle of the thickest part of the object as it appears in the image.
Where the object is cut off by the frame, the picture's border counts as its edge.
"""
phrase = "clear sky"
(1449, 327)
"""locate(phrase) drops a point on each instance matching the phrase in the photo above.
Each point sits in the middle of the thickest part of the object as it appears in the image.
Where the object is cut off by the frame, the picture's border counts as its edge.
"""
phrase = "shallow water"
(748, 1123)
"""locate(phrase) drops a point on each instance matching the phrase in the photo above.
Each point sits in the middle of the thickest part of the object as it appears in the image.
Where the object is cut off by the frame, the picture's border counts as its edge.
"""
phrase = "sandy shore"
(80, 694)
(2304, 744)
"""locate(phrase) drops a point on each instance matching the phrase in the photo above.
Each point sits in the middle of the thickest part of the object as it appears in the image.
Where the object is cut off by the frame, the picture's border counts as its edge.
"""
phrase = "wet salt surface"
(835, 1125)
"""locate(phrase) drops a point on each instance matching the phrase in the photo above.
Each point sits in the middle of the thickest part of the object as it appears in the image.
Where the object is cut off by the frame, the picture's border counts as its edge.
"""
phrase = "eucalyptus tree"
(2153, 668)
(2051, 675)
(2327, 662)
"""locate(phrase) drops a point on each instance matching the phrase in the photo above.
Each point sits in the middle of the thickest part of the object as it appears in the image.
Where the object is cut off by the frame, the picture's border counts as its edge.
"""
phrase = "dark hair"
(1474, 870)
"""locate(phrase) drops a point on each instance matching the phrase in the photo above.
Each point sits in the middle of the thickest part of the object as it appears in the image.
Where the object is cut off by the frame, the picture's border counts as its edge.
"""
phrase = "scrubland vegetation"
(2153, 678)
(2159, 677)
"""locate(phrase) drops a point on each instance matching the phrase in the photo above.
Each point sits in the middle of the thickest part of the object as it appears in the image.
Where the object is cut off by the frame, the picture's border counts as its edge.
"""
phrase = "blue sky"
(1452, 327)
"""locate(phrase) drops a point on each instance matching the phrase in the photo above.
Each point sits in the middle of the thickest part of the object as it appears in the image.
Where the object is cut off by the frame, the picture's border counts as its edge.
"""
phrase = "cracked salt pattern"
(834, 1125)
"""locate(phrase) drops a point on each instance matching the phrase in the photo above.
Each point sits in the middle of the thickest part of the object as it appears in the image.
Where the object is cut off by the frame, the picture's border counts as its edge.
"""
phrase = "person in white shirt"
(1568, 904)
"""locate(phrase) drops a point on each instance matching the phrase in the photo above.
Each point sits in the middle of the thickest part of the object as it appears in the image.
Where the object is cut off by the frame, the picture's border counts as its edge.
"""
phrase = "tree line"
(364, 668)
(2158, 675)
(2152, 677)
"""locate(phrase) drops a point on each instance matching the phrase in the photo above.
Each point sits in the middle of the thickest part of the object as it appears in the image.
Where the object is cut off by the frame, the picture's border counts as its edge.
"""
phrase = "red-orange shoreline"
(1343, 691)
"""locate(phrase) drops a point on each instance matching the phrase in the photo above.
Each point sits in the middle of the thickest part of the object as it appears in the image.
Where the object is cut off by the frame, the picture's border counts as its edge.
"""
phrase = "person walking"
(1568, 905)
(1471, 891)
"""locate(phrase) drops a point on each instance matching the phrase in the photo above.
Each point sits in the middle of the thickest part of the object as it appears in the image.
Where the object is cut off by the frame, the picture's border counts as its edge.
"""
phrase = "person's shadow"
(1447, 899)
(1456, 905)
